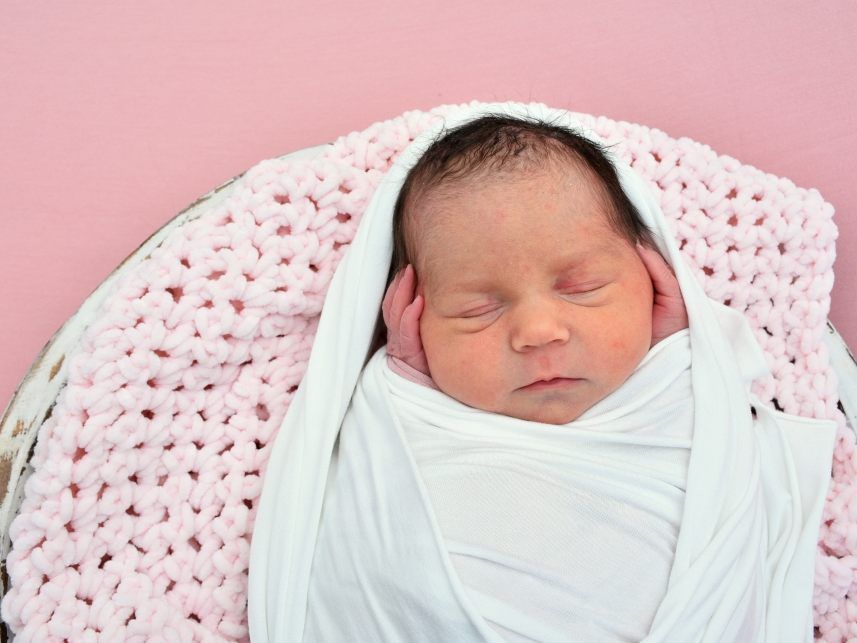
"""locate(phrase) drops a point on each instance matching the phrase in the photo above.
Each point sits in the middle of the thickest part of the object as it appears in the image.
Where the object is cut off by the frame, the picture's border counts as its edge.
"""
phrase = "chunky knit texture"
(136, 523)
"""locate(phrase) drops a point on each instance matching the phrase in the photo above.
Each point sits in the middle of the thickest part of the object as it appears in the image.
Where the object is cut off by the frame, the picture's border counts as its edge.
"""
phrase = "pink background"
(116, 116)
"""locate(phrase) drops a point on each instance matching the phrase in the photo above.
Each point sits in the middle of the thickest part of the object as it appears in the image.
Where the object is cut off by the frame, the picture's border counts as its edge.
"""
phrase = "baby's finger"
(404, 294)
(662, 276)
(409, 331)
(388, 295)
(388, 299)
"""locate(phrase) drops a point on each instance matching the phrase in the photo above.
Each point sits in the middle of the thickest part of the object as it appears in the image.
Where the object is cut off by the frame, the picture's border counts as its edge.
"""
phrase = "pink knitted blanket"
(136, 523)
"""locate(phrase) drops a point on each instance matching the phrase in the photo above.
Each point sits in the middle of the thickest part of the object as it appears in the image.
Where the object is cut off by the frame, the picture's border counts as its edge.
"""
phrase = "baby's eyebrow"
(465, 287)
(578, 262)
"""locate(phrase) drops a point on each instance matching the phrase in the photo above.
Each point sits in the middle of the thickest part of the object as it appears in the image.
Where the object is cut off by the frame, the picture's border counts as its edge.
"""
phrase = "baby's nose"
(538, 325)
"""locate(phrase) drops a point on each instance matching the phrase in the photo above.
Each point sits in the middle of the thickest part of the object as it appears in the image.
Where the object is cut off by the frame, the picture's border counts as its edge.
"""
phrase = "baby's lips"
(557, 383)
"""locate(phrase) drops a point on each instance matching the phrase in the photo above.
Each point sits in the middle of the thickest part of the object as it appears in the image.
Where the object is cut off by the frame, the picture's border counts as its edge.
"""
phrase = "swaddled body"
(538, 306)
(562, 472)
(554, 533)
(568, 534)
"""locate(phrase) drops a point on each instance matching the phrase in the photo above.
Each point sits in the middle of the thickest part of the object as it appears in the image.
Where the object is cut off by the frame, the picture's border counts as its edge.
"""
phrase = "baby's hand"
(402, 312)
(669, 314)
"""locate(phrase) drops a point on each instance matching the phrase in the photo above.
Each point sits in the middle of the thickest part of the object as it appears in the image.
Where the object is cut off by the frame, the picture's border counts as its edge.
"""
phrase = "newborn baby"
(536, 291)
(550, 440)
(530, 291)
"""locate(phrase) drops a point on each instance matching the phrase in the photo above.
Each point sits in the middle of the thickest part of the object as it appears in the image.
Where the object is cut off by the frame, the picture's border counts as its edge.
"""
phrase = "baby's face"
(525, 280)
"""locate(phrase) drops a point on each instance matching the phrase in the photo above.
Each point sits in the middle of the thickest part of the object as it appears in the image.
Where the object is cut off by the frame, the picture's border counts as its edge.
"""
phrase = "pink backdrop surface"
(114, 117)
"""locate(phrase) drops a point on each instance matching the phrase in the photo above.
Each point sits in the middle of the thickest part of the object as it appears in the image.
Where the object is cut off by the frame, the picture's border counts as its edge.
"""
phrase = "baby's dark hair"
(492, 144)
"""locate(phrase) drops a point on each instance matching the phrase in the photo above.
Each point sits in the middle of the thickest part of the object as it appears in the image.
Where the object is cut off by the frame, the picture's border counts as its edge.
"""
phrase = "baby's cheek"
(461, 364)
(625, 338)
(438, 344)
(431, 337)
(634, 314)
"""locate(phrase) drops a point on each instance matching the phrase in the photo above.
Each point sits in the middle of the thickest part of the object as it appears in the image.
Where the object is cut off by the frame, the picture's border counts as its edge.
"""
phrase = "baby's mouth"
(552, 383)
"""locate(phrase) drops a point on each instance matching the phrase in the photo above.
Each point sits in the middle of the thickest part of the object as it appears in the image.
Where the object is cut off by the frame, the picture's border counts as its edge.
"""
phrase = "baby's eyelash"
(574, 291)
(483, 311)
(478, 312)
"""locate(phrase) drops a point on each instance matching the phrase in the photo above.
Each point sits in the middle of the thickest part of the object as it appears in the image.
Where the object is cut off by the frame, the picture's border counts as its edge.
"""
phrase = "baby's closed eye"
(475, 316)
(584, 290)
(480, 311)
(583, 294)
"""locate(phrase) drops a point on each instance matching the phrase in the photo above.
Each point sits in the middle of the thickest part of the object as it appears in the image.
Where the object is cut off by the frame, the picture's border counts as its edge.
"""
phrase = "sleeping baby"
(538, 294)
(523, 420)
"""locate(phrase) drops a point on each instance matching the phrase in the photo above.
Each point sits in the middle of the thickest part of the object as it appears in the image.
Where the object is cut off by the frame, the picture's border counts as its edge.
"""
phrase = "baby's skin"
(527, 302)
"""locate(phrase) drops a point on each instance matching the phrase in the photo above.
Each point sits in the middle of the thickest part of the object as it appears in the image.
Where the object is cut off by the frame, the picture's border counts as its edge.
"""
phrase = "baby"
(525, 282)
(524, 293)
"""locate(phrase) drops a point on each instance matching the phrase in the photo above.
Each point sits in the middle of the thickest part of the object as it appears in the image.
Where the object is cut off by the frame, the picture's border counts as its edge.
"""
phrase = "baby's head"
(523, 243)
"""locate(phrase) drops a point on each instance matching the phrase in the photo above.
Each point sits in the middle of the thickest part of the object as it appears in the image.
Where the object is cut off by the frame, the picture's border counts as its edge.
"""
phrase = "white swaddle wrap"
(555, 532)
(743, 559)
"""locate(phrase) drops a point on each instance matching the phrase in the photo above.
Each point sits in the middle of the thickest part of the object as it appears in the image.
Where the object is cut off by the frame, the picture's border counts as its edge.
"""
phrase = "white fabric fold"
(531, 526)
(743, 563)
(559, 530)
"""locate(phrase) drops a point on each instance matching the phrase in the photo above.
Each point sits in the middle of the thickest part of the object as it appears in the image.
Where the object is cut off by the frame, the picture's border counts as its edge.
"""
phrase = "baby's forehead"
(445, 203)
(438, 215)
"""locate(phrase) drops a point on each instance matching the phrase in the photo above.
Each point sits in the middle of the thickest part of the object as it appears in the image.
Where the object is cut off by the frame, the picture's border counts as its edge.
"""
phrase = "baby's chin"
(548, 414)
(546, 411)
(546, 407)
